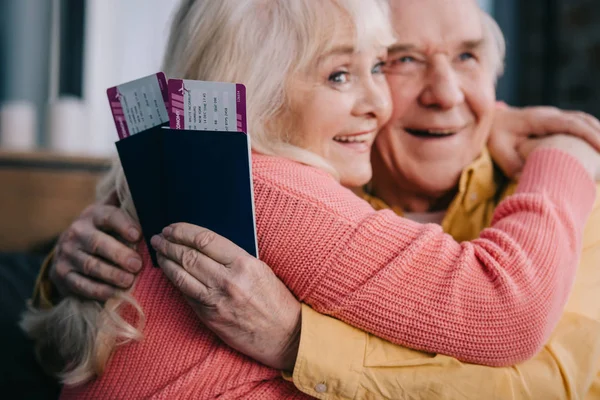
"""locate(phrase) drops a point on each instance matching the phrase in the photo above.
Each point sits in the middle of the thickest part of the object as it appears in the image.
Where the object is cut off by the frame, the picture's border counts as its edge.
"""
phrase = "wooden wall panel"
(41, 193)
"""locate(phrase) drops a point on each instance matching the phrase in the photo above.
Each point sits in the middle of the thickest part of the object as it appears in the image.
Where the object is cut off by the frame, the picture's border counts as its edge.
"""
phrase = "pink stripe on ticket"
(176, 113)
(177, 104)
(117, 112)
(176, 97)
(240, 99)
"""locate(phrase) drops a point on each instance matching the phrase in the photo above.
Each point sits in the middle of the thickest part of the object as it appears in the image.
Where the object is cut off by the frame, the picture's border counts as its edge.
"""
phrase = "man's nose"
(443, 89)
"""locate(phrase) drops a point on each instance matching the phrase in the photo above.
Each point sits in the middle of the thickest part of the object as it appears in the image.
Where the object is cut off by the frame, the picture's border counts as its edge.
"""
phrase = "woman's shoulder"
(281, 177)
(268, 165)
(289, 173)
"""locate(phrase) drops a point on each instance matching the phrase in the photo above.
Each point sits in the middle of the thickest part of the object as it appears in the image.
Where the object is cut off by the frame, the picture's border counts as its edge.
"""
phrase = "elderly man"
(430, 164)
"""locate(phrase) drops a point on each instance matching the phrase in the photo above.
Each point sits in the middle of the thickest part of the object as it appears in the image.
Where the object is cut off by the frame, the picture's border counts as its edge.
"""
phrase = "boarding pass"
(139, 105)
(207, 106)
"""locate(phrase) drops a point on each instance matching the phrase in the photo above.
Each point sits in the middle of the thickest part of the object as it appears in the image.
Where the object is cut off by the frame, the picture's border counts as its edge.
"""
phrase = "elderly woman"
(402, 281)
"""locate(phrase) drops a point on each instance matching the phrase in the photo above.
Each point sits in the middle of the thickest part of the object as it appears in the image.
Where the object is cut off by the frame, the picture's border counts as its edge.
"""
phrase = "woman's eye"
(339, 77)
(378, 68)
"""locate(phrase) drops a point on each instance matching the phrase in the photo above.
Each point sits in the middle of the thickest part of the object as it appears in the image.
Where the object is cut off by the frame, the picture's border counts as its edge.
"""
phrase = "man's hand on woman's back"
(514, 126)
(93, 257)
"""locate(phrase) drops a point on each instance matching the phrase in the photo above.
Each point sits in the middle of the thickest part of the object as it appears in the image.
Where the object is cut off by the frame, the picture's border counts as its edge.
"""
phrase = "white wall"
(124, 40)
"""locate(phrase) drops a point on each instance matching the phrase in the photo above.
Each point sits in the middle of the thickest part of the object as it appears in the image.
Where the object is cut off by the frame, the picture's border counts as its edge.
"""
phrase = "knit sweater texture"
(493, 300)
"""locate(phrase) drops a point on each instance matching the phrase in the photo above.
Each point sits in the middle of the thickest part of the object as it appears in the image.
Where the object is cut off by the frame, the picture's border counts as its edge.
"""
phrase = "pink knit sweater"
(493, 300)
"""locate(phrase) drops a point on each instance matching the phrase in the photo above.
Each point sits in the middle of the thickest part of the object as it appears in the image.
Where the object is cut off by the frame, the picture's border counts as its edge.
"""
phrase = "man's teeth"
(431, 132)
(445, 132)
(353, 138)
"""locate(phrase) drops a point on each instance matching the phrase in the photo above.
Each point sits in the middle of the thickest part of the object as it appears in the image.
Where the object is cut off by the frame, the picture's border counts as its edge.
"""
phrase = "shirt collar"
(477, 184)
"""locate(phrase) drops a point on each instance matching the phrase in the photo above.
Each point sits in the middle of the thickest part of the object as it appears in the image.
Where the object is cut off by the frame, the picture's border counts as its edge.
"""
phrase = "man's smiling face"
(441, 77)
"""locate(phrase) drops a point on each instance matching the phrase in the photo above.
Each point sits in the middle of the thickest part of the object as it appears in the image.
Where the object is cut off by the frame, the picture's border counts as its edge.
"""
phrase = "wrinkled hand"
(587, 156)
(235, 295)
(91, 263)
(512, 126)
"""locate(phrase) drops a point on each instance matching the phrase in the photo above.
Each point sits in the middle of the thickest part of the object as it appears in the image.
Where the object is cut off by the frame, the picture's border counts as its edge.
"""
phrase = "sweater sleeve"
(493, 301)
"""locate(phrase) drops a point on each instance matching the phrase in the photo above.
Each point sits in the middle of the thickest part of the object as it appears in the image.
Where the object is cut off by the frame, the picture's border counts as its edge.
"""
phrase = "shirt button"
(321, 388)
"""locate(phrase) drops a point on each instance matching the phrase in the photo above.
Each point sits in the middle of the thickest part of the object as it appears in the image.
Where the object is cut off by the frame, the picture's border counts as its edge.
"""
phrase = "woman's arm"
(348, 360)
(341, 361)
(493, 301)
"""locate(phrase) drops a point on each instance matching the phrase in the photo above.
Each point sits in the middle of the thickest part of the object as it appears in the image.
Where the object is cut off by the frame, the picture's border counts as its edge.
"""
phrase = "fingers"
(204, 269)
(546, 120)
(75, 283)
(182, 280)
(215, 246)
(91, 263)
(589, 119)
(593, 121)
(98, 244)
(585, 127)
(113, 219)
(96, 268)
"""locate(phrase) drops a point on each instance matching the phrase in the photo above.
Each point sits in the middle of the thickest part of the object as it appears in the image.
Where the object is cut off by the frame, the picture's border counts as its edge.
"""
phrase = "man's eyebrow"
(472, 44)
(400, 47)
(466, 45)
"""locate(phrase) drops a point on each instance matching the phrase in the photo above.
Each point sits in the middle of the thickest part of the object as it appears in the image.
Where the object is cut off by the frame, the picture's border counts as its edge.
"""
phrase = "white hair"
(497, 44)
(260, 43)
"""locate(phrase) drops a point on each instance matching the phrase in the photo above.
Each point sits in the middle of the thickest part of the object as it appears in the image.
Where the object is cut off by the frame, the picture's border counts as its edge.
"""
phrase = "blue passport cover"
(200, 177)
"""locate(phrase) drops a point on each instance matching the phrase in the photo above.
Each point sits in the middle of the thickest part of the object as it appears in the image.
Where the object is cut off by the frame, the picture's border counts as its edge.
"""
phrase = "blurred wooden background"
(41, 193)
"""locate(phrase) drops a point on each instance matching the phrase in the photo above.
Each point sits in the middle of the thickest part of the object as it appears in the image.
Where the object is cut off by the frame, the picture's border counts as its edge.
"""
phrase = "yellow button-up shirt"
(337, 361)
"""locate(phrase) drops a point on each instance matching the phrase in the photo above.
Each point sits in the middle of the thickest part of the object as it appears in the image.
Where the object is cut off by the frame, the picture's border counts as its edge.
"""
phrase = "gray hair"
(497, 43)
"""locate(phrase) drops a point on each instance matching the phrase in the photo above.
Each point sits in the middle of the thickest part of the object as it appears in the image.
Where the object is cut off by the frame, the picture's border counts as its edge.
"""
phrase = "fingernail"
(155, 241)
(126, 280)
(133, 233)
(168, 231)
(135, 264)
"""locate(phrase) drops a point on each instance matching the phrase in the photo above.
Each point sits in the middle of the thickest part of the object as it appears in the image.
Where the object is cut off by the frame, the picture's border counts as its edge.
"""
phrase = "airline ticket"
(201, 105)
(140, 104)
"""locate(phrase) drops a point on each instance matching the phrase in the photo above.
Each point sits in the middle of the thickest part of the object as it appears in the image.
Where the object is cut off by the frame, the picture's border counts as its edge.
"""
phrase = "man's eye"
(404, 60)
(466, 56)
(339, 77)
